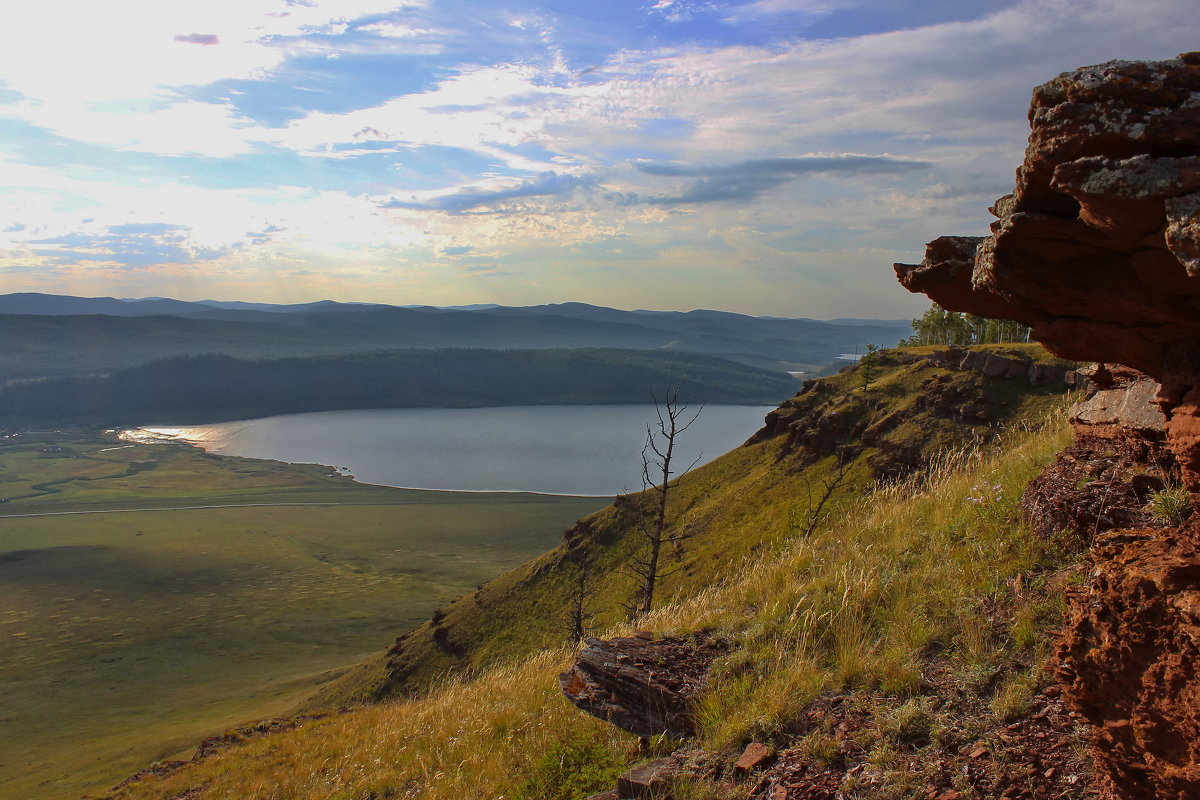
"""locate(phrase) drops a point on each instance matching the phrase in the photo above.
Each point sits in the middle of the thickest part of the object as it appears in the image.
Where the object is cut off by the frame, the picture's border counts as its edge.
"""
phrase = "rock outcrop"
(1130, 658)
(641, 684)
(1105, 480)
(935, 401)
(1098, 250)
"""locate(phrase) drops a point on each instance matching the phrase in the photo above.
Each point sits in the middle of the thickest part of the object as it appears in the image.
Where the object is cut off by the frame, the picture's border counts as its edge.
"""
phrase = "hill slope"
(893, 603)
(755, 497)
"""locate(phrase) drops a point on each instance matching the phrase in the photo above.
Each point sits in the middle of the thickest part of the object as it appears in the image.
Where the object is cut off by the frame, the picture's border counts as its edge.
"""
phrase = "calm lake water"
(581, 450)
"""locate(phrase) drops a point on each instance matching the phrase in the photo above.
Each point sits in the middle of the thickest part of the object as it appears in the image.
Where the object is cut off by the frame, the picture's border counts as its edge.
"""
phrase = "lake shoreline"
(552, 450)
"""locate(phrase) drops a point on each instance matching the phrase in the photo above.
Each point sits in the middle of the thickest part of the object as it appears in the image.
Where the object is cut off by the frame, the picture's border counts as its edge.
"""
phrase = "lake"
(579, 450)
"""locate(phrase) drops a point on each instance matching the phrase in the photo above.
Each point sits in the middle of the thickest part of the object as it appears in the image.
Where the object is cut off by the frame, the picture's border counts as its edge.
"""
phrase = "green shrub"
(1171, 506)
(910, 725)
(570, 770)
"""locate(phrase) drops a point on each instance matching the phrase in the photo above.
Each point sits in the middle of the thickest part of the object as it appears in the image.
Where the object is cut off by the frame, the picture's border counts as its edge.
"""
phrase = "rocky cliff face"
(1098, 249)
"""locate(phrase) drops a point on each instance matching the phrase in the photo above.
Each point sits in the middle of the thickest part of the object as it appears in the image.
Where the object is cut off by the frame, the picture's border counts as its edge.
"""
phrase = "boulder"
(1131, 407)
(642, 685)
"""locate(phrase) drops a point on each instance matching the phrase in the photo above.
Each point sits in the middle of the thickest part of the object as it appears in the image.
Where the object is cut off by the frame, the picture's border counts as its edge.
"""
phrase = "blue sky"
(761, 156)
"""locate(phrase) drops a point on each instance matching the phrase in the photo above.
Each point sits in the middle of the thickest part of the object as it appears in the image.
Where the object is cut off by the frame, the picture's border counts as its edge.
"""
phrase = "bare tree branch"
(658, 453)
(830, 484)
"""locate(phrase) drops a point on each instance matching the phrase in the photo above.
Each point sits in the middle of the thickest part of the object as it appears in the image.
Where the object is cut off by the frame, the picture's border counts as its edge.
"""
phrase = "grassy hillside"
(754, 498)
(127, 636)
(917, 611)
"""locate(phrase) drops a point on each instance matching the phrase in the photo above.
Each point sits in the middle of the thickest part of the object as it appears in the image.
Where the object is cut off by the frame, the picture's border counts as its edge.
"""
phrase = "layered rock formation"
(641, 684)
(1098, 250)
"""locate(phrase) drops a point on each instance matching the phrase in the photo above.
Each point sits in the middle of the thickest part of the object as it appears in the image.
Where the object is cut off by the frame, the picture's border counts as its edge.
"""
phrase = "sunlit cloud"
(770, 156)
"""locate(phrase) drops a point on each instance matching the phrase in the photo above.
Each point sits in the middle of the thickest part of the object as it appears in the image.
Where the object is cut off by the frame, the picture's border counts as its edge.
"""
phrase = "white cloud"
(106, 72)
(93, 51)
(757, 9)
(183, 128)
(952, 81)
(398, 30)
(474, 110)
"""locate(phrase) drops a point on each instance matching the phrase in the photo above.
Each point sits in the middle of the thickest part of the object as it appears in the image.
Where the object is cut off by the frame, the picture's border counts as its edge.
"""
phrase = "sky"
(769, 157)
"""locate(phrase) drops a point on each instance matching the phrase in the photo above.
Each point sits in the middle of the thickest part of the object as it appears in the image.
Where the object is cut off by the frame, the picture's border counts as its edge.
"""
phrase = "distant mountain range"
(55, 335)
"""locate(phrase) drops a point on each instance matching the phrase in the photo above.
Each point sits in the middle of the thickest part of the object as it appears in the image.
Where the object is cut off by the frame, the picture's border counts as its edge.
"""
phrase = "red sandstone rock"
(754, 756)
(1098, 249)
(1130, 661)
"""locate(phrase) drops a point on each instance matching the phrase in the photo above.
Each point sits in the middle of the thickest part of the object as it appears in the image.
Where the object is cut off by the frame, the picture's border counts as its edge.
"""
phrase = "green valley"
(130, 635)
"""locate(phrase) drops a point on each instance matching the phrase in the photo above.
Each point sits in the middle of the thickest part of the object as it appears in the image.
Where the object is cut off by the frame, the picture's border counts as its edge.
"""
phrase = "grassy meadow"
(126, 636)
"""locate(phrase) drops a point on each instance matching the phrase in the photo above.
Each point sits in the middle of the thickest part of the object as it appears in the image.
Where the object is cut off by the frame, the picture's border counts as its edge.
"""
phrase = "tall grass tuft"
(1171, 506)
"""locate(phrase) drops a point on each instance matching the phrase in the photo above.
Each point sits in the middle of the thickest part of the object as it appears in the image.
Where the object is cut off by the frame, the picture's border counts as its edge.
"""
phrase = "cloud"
(746, 180)
(198, 38)
(139, 56)
(466, 200)
(398, 30)
(810, 9)
(493, 111)
(181, 128)
(262, 237)
(680, 10)
(134, 245)
(788, 168)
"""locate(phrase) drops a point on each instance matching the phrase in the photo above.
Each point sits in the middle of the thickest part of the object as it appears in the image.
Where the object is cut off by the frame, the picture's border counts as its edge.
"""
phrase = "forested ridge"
(220, 387)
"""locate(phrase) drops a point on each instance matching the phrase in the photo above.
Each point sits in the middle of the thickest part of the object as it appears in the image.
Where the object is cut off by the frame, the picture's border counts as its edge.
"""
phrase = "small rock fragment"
(755, 754)
(650, 781)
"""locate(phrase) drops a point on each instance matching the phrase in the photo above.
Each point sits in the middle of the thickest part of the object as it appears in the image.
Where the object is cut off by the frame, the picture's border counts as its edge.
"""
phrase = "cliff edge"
(1098, 250)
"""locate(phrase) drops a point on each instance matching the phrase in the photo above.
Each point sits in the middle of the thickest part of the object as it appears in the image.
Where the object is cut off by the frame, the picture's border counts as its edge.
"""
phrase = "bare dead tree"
(580, 612)
(829, 485)
(658, 455)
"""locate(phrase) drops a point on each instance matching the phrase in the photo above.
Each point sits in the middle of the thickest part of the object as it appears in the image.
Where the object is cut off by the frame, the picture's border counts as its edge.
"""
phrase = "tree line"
(942, 327)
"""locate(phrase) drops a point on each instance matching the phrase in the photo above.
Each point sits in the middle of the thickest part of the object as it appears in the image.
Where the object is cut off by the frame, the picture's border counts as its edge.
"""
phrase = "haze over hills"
(56, 336)
(217, 387)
